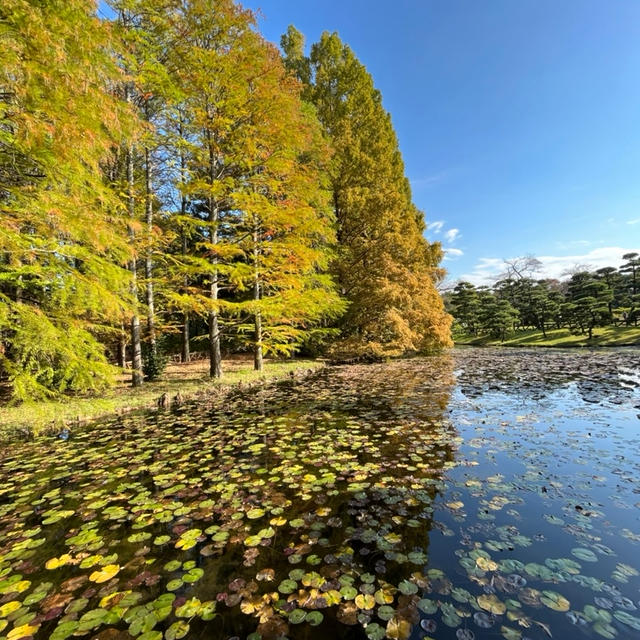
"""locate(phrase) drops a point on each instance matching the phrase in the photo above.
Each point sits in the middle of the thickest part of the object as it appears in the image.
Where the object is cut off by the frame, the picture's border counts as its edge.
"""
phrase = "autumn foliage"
(167, 176)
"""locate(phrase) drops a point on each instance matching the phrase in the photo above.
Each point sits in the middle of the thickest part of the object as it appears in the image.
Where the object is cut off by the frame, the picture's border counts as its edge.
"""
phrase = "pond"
(484, 493)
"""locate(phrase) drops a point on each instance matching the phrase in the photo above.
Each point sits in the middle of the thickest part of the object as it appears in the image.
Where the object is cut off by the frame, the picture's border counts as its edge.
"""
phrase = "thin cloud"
(634, 221)
(452, 253)
(436, 226)
(452, 234)
(430, 181)
(488, 269)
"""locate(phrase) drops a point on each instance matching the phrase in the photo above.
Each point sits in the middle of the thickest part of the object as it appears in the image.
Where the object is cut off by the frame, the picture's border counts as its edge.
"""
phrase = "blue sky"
(518, 120)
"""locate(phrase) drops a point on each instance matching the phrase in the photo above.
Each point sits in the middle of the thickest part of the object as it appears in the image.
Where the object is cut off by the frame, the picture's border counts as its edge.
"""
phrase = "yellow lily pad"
(104, 574)
(491, 603)
(23, 631)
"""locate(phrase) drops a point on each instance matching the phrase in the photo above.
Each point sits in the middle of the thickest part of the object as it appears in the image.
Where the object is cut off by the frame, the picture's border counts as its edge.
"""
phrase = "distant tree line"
(170, 181)
(518, 301)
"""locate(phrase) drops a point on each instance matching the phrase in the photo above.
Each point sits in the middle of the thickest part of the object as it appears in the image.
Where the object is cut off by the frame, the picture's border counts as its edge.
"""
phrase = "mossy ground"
(48, 416)
(602, 337)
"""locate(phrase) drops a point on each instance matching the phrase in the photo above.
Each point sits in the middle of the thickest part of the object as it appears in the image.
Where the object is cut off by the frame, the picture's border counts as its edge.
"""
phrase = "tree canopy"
(384, 266)
(170, 181)
(585, 300)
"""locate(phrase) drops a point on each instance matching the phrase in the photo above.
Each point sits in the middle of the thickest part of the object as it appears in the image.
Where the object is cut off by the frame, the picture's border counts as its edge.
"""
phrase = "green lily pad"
(586, 555)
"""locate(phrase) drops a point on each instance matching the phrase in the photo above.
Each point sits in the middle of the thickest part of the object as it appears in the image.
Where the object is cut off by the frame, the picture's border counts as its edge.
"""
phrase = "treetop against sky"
(518, 121)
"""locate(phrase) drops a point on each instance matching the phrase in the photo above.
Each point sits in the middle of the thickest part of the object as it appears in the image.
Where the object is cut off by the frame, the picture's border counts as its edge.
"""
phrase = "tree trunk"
(186, 352)
(185, 355)
(151, 324)
(257, 317)
(215, 358)
(19, 290)
(122, 347)
(136, 349)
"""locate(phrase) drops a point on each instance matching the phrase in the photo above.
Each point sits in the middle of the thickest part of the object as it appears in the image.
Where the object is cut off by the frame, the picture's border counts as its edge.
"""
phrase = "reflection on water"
(599, 374)
(479, 494)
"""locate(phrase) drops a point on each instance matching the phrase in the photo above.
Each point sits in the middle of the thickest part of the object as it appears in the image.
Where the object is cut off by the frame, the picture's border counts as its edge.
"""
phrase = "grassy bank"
(188, 379)
(602, 337)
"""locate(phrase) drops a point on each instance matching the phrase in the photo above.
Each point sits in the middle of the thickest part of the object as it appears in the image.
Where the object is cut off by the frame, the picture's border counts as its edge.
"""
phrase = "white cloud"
(484, 272)
(452, 253)
(634, 221)
(452, 234)
(487, 269)
(435, 226)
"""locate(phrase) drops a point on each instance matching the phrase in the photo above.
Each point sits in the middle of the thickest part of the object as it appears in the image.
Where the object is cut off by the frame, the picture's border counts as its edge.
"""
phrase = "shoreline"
(44, 419)
(558, 338)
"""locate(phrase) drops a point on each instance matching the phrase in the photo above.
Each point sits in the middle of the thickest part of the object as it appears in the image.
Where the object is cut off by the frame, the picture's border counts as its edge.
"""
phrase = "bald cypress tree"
(64, 248)
(385, 267)
(253, 208)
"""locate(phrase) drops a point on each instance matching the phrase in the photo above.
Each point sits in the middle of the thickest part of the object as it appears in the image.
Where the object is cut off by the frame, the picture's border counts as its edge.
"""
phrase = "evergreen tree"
(590, 298)
(631, 268)
(465, 306)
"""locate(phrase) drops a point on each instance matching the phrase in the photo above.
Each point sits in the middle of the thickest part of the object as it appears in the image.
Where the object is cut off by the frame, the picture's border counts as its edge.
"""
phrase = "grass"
(191, 378)
(602, 337)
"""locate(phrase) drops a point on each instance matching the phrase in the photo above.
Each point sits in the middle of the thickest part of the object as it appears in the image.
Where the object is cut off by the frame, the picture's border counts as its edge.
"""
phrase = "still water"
(484, 493)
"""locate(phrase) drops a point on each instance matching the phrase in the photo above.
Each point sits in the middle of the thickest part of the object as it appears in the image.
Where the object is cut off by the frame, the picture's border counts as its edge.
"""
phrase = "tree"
(465, 306)
(590, 298)
(496, 316)
(384, 266)
(632, 268)
(146, 32)
(210, 61)
(544, 305)
(522, 267)
(285, 219)
(614, 281)
(63, 230)
(253, 214)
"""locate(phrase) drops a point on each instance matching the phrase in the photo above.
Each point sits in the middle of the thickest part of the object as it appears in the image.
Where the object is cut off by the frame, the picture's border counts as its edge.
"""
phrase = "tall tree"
(287, 219)
(251, 159)
(384, 266)
(63, 232)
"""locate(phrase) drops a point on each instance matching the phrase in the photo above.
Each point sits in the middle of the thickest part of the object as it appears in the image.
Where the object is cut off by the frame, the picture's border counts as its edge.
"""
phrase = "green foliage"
(63, 239)
(170, 167)
(154, 359)
(48, 357)
(517, 302)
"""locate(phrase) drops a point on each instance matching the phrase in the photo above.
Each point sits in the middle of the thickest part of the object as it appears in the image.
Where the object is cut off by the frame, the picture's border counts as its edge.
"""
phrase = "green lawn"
(602, 337)
(50, 416)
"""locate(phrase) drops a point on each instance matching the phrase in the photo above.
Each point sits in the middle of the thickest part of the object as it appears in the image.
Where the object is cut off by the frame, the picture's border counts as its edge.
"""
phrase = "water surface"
(485, 493)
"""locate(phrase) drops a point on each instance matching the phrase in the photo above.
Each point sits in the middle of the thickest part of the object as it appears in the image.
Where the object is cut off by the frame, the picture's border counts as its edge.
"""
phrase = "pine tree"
(465, 306)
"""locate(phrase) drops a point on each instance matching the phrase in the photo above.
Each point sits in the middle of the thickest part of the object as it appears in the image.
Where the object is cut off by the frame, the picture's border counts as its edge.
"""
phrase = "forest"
(171, 182)
(517, 301)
